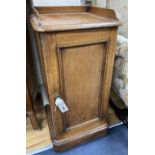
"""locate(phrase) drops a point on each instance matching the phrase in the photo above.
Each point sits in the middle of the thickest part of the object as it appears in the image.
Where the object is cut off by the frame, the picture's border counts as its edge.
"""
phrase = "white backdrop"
(57, 2)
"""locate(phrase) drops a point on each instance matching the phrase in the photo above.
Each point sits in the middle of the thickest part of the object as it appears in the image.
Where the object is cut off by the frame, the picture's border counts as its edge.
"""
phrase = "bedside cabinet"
(77, 48)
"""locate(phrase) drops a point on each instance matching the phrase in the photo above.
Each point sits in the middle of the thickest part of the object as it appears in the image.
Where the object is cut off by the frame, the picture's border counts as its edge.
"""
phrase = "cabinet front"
(78, 69)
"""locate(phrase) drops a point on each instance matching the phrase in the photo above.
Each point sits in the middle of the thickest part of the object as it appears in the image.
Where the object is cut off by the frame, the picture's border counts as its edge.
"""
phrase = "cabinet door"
(78, 68)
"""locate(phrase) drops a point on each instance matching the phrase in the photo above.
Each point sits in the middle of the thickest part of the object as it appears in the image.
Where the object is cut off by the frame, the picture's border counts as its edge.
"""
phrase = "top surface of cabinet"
(70, 18)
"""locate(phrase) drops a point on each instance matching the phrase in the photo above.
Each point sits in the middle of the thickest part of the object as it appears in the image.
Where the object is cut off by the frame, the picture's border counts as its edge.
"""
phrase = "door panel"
(81, 76)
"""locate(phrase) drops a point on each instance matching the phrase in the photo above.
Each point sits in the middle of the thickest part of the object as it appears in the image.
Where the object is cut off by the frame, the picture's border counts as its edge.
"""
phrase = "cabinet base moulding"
(80, 137)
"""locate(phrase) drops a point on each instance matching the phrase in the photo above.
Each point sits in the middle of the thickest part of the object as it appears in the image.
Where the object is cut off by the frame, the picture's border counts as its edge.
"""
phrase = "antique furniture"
(76, 50)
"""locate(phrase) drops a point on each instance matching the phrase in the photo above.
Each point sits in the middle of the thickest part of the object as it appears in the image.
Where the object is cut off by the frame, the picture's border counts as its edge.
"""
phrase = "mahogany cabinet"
(77, 48)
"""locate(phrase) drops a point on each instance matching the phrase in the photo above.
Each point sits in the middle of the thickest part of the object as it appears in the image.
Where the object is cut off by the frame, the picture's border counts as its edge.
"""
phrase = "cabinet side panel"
(109, 61)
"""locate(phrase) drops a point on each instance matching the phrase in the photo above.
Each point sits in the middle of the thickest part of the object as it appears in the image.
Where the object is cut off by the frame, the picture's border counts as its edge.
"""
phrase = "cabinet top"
(46, 19)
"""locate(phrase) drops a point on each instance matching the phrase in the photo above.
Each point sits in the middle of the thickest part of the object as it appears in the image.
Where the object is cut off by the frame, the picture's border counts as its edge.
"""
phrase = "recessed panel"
(81, 76)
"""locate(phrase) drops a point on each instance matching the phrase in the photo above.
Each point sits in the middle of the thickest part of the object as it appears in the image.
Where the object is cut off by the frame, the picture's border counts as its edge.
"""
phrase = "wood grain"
(82, 93)
(60, 9)
(103, 12)
(77, 50)
(78, 37)
(81, 88)
(47, 20)
(49, 53)
(108, 70)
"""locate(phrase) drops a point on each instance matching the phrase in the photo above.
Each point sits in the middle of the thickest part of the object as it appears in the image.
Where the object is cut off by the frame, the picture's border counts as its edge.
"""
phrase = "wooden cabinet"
(77, 49)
